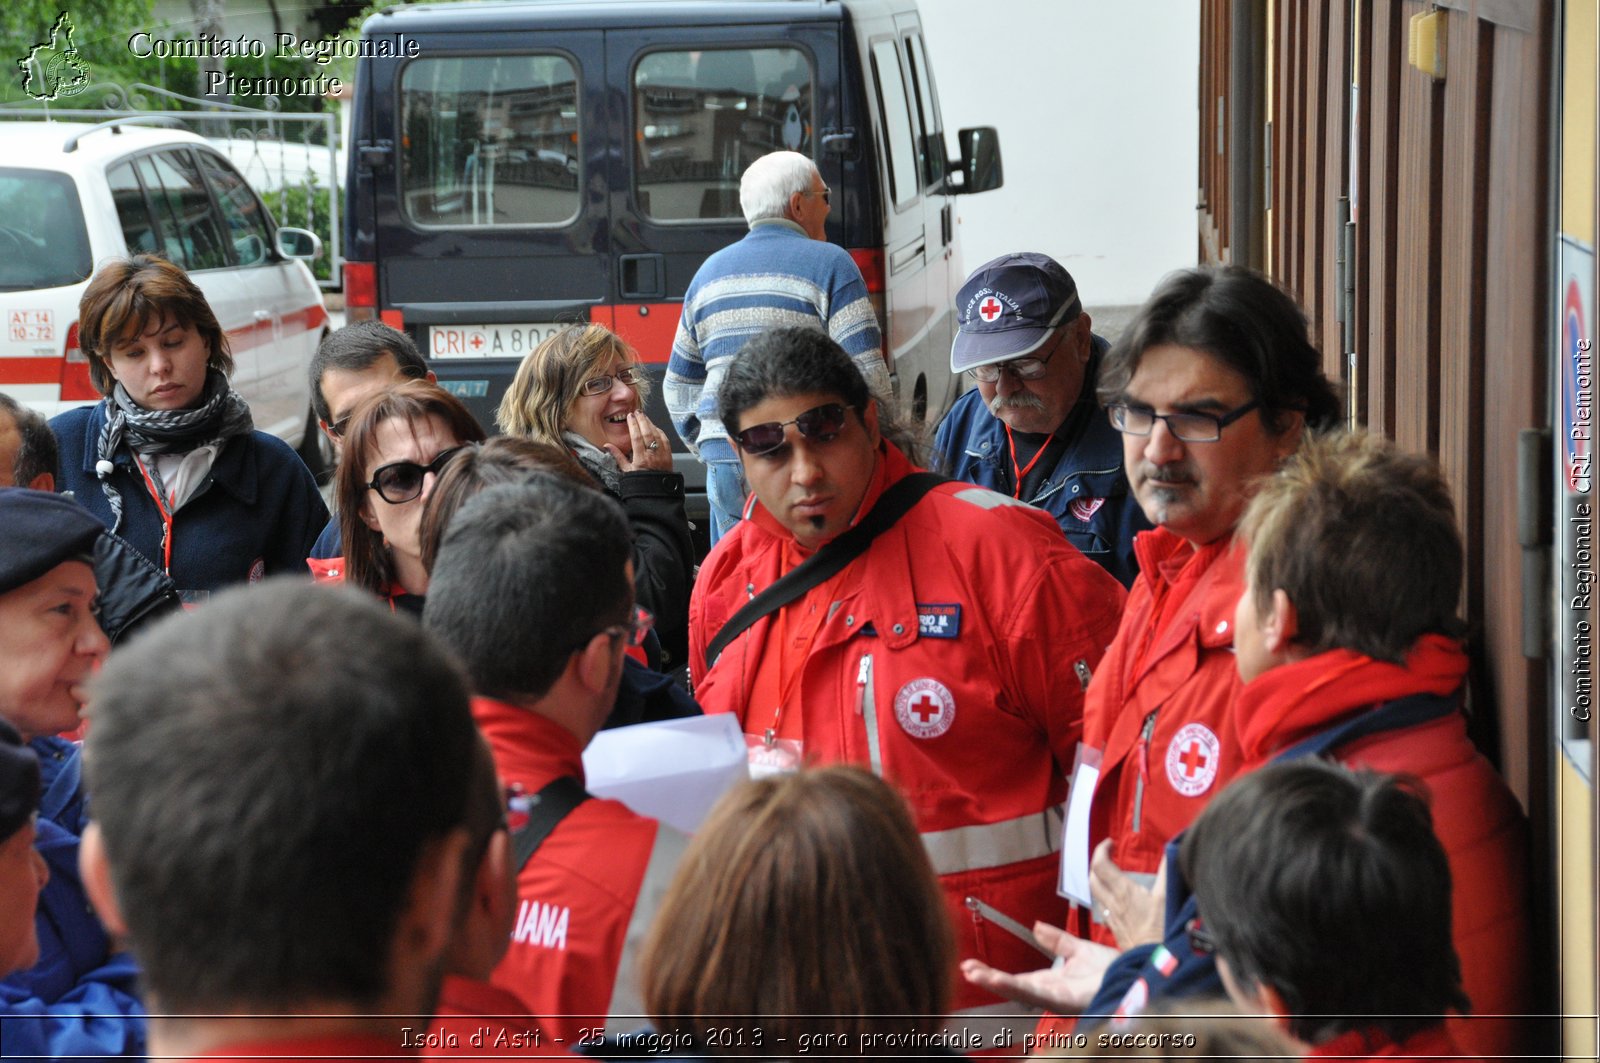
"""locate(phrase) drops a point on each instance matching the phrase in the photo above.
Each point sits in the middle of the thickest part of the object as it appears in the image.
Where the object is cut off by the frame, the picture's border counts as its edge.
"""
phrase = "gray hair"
(767, 184)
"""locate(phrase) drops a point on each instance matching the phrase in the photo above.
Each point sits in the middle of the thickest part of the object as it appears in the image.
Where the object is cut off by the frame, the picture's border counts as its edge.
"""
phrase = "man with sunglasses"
(351, 365)
(949, 656)
(533, 589)
(1032, 427)
(783, 273)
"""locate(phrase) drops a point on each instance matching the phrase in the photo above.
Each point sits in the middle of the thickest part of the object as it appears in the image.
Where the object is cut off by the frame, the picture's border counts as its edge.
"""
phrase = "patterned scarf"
(221, 415)
(599, 462)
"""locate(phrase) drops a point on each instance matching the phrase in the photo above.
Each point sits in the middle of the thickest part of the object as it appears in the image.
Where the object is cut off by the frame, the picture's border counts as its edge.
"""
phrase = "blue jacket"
(79, 999)
(259, 504)
(971, 445)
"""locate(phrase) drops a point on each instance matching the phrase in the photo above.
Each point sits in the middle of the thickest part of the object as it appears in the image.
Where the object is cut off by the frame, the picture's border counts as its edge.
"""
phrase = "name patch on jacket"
(937, 620)
(542, 925)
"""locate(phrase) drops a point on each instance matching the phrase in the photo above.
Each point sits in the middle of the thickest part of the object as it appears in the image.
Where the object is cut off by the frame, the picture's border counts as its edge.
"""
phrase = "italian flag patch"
(1164, 961)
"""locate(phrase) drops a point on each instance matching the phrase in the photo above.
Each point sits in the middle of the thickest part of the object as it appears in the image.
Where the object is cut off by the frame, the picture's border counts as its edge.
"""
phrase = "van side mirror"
(979, 166)
(298, 243)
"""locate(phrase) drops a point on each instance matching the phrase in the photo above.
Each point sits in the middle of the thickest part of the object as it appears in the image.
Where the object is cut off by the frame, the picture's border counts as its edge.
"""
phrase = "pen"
(1006, 923)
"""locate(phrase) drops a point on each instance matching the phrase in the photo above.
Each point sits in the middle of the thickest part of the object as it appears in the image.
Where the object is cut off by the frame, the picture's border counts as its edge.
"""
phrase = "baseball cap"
(38, 531)
(19, 781)
(1009, 306)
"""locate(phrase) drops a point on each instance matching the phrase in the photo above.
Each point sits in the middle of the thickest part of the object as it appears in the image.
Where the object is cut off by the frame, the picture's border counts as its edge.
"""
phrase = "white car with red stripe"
(73, 195)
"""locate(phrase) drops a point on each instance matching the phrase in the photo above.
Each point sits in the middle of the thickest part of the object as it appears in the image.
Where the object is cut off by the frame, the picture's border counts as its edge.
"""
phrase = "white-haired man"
(784, 272)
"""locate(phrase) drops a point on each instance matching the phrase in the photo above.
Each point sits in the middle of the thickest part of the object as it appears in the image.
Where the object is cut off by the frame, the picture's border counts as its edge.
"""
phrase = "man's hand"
(1133, 913)
(1065, 988)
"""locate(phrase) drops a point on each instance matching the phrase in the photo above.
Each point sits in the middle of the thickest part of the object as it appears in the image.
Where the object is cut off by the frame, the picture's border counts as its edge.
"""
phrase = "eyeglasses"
(826, 194)
(820, 424)
(1187, 426)
(1022, 368)
(1200, 939)
(401, 481)
(634, 630)
(337, 428)
(599, 385)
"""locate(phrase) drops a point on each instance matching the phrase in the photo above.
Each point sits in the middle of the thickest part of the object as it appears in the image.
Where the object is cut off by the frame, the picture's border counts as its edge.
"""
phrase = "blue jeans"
(725, 491)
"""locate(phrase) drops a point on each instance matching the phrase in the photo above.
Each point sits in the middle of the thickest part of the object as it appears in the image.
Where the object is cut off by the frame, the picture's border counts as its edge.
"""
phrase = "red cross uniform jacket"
(951, 660)
(1478, 821)
(586, 898)
(1160, 706)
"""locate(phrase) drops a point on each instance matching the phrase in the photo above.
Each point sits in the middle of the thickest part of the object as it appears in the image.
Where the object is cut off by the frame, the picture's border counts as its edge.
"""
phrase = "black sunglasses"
(821, 424)
(401, 481)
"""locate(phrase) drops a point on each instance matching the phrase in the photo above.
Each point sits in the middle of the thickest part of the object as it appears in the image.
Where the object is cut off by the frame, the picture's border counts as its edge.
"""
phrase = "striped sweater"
(775, 276)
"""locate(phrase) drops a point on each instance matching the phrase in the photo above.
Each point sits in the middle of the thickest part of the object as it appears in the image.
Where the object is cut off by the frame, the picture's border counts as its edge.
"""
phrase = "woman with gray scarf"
(170, 459)
(583, 390)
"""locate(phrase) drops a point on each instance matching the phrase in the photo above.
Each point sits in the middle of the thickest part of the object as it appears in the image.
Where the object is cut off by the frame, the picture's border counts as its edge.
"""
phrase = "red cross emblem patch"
(1084, 508)
(925, 708)
(990, 308)
(1192, 759)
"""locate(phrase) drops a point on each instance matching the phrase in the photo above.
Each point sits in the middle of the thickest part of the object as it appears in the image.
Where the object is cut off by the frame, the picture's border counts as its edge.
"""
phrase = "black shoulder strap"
(1389, 716)
(546, 810)
(827, 562)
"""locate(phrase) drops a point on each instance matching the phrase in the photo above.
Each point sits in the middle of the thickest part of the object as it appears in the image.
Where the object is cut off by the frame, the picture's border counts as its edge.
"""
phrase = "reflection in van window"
(896, 122)
(489, 140)
(43, 242)
(702, 117)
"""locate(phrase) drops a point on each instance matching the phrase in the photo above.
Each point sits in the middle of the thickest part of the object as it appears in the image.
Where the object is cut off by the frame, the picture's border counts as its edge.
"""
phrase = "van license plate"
(488, 341)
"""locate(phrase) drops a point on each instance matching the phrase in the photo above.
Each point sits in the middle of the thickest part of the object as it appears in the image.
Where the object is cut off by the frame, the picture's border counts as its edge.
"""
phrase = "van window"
(133, 210)
(43, 242)
(489, 140)
(240, 209)
(701, 117)
(930, 145)
(191, 235)
(896, 113)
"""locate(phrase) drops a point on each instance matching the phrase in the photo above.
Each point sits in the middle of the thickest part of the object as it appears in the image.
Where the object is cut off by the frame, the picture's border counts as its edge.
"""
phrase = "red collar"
(529, 749)
(1280, 707)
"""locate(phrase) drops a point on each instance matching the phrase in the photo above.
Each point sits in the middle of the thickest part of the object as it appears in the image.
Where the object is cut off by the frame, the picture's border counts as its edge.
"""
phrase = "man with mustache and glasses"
(1212, 386)
(1032, 428)
(949, 655)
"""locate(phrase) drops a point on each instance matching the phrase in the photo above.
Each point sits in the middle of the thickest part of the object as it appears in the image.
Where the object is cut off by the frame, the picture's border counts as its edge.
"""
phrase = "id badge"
(1073, 883)
(772, 756)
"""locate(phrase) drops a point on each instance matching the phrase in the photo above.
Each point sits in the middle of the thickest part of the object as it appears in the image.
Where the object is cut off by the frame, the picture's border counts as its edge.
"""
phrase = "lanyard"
(166, 516)
(788, 683)
(1020, 473)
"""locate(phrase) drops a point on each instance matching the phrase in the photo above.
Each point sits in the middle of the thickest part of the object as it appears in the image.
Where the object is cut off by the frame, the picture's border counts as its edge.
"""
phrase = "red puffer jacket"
(1478, 821)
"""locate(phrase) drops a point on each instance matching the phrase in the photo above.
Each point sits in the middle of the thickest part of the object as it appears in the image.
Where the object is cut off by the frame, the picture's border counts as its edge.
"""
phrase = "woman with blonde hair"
(583, 389)
(804, 913)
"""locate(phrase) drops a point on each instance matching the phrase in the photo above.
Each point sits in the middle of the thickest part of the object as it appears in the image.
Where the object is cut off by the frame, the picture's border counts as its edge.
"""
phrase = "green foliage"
(306, 209)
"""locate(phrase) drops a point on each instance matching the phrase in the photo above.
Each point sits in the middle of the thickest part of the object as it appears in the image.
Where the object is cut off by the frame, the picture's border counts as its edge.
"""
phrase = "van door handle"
(643, 276)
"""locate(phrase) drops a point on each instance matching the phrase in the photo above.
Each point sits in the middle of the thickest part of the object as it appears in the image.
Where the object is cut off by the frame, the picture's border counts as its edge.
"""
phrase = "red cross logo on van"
(990, 308)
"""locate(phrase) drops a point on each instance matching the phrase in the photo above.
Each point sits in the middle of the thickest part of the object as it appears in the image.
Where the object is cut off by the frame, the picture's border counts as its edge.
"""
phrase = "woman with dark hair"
(170, 459)
(804, 913)
(583, 390)
(396, 444)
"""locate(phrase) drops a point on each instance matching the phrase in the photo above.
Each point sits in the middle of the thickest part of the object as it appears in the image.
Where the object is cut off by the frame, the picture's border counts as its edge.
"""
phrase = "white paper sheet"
(1074, 884)
(673, 770)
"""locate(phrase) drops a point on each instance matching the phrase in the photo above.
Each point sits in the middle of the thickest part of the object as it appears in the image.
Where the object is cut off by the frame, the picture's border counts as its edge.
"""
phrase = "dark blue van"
(519, 166)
